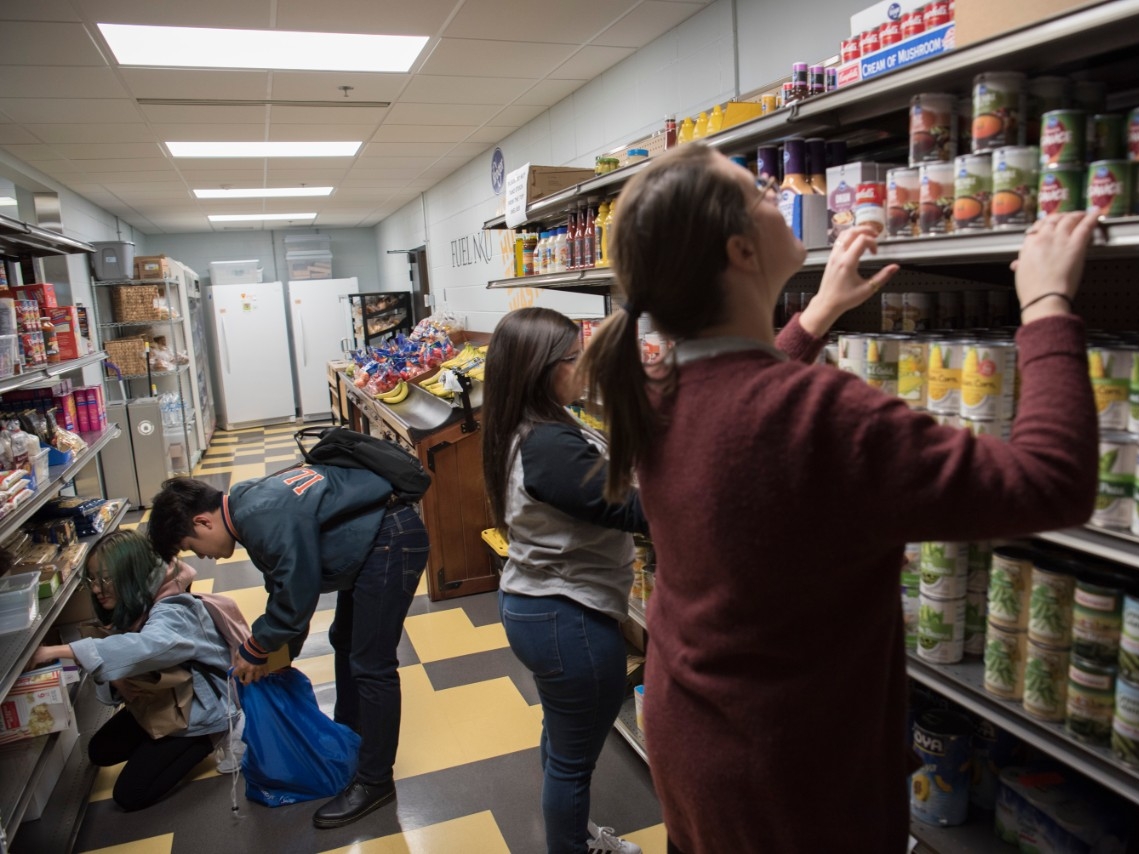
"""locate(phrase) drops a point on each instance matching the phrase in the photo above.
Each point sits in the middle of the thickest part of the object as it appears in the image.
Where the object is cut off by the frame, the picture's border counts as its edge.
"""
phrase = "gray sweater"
(565, 539)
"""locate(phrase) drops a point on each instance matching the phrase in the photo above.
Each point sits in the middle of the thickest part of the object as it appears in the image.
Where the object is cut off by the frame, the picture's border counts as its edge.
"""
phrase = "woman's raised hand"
(843, 287)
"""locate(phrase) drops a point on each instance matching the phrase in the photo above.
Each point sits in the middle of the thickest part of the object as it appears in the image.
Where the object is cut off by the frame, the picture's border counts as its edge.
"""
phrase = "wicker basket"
(129, 354)
(134, 302)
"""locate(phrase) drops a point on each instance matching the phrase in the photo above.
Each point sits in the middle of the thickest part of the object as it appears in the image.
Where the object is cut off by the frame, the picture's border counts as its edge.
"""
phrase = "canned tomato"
(891, 312)
(1061, 190)
(1110, 371)
(1050, 607)
(933, 128)
(911, 607)
(1046, 681)
(902, 187)
(850, 49)
(943, 372)
(988, 380)
(1004, 662)
(1125, 723)
(1062, 138)
(912, 372)
(852, 354)
(918, 311)
(1133, 135)
(869, 42)
(913, 24)
(999, 104)
(939, 790)
(1097, 621)
(998, 428)
(936, 14)
(1091, 701)
(972, 191)
(1015, 184)
(975, 623)
(1109, 186)
(1010, 581)
(944, 569)
(941, 629)
(870, 206)
(1108, 137)
(980, 557)
(935, 198)
(1117, 458)
(882, 362)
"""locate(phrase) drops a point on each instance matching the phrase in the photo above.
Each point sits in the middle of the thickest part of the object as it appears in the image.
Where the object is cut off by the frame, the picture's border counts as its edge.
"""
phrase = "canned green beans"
(1125, 723)
(1010, 581)
(1097, 621)
(1118, 454)
(1050, 607)
(1005, 653)
(941, 629)
(1091, 701)
(1046, 681)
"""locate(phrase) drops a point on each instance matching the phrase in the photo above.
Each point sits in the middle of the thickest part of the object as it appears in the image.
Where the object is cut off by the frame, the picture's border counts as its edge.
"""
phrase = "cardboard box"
(37, 705)
(152, 267)
(546, 180)
(806, 216)
(65, 319)
(978, 20)
(42, 292)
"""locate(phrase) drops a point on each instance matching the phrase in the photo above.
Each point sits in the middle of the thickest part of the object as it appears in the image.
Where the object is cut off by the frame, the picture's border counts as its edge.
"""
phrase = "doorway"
(422, 304)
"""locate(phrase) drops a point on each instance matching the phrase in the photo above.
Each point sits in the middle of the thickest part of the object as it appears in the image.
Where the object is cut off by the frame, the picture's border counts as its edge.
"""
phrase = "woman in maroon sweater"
(780, 496)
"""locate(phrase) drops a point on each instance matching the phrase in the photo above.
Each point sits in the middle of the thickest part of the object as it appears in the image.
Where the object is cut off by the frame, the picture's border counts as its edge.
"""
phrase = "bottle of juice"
(669, 131)
(542, 253)
(795, 167)
(601, 254)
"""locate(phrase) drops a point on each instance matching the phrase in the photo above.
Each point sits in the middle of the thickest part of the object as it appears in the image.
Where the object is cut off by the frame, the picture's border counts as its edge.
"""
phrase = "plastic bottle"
(561, 252)
(687, 130)
(601, 254)
(701, 129)
(715, 120)
(610, 221)
(817, 164)
(795, 167)
(573, 248)
(588, 235)
(543, 253)
(529, 247)
(669, 131)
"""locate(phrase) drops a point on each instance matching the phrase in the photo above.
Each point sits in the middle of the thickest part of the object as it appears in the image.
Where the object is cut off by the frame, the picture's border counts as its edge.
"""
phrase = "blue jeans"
(577, 656)
(367, 668)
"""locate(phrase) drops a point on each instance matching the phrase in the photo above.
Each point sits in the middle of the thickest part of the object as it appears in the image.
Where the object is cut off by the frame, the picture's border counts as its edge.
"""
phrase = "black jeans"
(368, 694)
(153, 767)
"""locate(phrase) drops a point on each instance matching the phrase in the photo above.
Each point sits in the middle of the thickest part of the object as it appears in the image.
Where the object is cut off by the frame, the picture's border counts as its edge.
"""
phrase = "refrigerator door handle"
(224, 345)
(304, 343)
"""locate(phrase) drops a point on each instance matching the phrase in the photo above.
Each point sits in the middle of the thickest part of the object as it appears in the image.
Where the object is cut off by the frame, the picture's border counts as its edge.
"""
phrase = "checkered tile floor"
(467, 774)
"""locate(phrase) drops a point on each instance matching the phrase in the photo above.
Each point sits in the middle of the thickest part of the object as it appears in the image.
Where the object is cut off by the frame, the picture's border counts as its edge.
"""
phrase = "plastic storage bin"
(19, 601)
(309, 265)
(307, 243)
(113, 259)
(235, 272)
(40, 464)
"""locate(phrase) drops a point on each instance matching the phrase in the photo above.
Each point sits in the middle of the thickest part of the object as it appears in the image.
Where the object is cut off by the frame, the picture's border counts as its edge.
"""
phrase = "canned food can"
(911, 608)
(918, 311)
(1091, 701)
(1050, 607)
(1117, 460)
(891, 312)
(902, 188)
(988, 380)
(1010, 583)
(949, 310)
(1097, 621)
(890, 33)
(1108, 137)
(1046, 681)
(768, 103)
(946, 419)
(941, 629)
(912, 372)
(944, 569)
(882, 362)
(1110, 371)
(912, 557)
(999, 108)
(980, 557)
(1005, 653)
(852, 354)
(975, 623)
(1129, 657)
(936, 14)
(943, 374)
(870, 206)
(972, 191)
(850, 49)
(1015, 184)
(869, 42)
(1125, 722)
(1062, 138)
(1131, 618)
(1109, 187)
(1133, 396)
(1133, 135)
(998, 428)
(913, 24)
(933, 128)
(1061, 190)
(939, 790)
(935, 198)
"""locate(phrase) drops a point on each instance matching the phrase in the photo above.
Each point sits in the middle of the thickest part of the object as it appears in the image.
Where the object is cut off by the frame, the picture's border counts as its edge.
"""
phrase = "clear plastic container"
(636, 155)
(235, 272)
(9, 354)
(40, 468)
(19, 601)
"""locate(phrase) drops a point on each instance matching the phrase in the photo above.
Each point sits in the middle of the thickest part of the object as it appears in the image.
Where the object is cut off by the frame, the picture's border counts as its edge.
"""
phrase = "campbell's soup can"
(1061, 190)
(850, 49)
(988, 380)
(1097, 620)
(1046, 681)
(999, 108)
(1062, 138)
(1129, 640)
(913, 24)
(941, 629)
(943, 376)
(892, 312)
(933, 128)
(902, 186)
(939, 790)
(1110, 371)
(1015, 184)
(935, 198)
(1108, 137)
(1010, 583)
(936, 14)
(1125, 722)
(944, 569)
(1005, 652)
(975, 624)
(889, 33)
(1109, 187)
(919, 308)
(869, 42)
(1117, 460)
(912, 354)
(870, 206)
(972, 191)
(1091, 700)
(1050, 606)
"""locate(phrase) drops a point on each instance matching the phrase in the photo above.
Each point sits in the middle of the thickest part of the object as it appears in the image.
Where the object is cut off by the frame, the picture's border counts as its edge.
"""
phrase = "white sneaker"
(231, 748)
(605, 841)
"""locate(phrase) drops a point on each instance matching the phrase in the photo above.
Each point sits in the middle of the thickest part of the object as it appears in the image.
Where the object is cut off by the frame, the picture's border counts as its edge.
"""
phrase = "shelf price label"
(517, 183)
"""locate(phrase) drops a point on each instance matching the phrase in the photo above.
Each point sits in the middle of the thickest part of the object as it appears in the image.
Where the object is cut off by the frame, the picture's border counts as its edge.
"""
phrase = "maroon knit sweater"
(779, 498)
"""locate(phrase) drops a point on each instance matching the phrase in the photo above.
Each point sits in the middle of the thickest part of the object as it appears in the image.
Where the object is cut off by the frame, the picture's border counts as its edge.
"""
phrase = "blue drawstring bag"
(294, 752)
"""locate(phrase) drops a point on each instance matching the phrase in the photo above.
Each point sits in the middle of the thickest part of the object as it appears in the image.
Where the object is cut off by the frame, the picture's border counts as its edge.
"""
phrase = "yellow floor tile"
(154, 845)
(250, 601)
(239, 555)
(320, 622)
(448, 634)
(203, 585)
(282, 458)
(246, 471)
(318, 668)
(471, 834)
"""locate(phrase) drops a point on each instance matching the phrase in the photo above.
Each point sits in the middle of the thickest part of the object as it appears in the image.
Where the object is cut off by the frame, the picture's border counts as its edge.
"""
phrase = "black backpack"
(339, 446)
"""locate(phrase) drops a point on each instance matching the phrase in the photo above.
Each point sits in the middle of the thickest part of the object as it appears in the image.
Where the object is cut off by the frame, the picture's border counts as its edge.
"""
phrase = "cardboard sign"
(517, 182)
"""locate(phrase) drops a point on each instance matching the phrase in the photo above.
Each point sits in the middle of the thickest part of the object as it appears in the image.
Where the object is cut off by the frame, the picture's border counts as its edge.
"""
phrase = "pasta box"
(37, 705)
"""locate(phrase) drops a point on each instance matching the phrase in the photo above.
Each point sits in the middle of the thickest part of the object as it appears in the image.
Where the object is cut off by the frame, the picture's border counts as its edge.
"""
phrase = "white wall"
(727, 49)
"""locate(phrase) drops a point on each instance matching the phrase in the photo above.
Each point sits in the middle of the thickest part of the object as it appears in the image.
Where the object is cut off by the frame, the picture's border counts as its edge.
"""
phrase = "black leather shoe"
(355, 802)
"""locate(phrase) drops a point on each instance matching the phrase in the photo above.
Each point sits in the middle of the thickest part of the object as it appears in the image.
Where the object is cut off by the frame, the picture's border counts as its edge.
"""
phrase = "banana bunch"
(396, 395)
(469, 352)
(436, 387)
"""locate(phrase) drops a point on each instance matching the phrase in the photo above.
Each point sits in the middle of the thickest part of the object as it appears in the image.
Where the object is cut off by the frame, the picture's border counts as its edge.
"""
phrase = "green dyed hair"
(135, 571)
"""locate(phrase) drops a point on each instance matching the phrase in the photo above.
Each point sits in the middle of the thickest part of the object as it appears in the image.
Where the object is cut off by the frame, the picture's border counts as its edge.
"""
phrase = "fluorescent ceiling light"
(252, 217)
(263, 149)
(7, 200)
(270, 193)
(200, 47)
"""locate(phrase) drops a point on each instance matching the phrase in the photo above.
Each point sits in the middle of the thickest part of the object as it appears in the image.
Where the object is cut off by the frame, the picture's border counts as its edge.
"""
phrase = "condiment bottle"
(767, 162)
(701, 129)
(817, 164)
(588, 258)
(561, 252)
(529, 246)
(715, 120)
(542, 254)
(795, 167)
(687, 129)
(601, 250)
(800, 82)
(816, 80)
(610, 221)
(573, 248)
(669, 131)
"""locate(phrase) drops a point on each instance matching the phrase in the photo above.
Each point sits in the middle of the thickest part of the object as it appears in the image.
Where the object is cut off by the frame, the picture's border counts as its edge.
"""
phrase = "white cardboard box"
(235, 272)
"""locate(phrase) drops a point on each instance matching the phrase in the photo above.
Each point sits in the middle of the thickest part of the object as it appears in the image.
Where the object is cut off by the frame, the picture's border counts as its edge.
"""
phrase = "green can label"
(1091, 701)
(1062, 138)
(1109, 187)
(1061, 190)
(1050, 608)
(972, 191)
(1046, 682)
(1015, 184)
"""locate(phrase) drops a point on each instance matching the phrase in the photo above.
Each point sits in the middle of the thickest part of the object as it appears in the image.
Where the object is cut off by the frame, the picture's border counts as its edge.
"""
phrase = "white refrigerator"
(254, 384)
(321, 319)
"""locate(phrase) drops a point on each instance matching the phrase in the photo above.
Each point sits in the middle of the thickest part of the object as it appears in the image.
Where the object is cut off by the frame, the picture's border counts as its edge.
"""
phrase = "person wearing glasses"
(152, 624)
(565, 585)
(781, 495)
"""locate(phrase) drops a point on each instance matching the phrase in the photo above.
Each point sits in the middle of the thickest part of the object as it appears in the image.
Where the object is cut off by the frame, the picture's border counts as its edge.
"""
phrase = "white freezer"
(321, 319)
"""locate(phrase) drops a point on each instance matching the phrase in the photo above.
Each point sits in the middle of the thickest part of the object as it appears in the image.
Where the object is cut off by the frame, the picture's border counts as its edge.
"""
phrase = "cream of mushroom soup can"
(1046, 681)
(988, 380)
(1005, 653)
(1114, 503)
(1010, 580)
(941, 629)
(1110, 371)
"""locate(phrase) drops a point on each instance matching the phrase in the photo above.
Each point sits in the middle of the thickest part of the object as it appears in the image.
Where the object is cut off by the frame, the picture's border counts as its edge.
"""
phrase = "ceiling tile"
(422, 133)
(590, 62)
(645, 23)
(549, 92)
(247, 14)
(377, 194)
(423, 17)
(207, 178)
(331, 115)
(92, 133)
(487, 135)
(410, 165)
(147, 165)
(568, 23)
(448, 89)
(209, 132)
(68, 110)
(405, 149)
(33, 153)
(516, 116)
(37, 10)
(440, 114)
(319, 131)
(468, 149)
(282, 177)
(325, 86)
(496, 58)
(203, 115)
(156, 189)
(140, 177)
(44, 43)
(196, 83)
(375, 178)
(49, 82)
(11, 134)
(108, 151)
